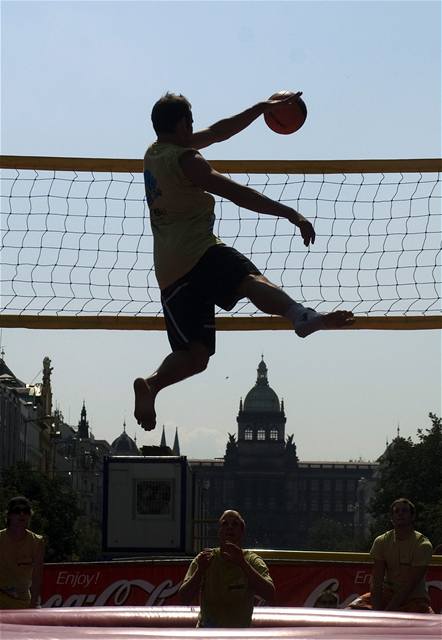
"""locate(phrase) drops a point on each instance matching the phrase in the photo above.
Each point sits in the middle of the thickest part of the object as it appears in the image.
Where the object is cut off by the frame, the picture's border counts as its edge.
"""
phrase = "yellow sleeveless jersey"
(181, 214)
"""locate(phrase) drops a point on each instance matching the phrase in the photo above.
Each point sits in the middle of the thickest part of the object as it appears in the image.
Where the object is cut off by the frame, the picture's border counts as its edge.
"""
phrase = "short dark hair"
(168, 111)
(404, 501)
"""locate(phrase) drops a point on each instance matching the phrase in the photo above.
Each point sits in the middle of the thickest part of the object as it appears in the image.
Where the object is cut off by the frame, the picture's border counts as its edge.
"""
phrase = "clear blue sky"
(79, 79)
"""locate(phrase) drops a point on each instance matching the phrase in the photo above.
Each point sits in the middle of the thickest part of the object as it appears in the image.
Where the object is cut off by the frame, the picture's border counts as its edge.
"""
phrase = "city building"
(78, 457)
(124, 445)
(32, 432)
(25, 421)
(281, 497)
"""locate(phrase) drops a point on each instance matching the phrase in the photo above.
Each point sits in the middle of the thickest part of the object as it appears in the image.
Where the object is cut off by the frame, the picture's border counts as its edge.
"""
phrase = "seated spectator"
(401, 557)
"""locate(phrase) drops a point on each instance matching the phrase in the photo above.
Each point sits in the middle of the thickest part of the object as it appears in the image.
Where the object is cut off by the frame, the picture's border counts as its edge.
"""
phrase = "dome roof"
(124, 445)
(261, 398)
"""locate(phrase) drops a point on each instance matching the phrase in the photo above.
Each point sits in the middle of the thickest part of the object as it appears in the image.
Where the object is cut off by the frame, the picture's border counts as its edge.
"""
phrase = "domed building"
(261, 423)
(261, 465)
(279, 496)
(124, 445)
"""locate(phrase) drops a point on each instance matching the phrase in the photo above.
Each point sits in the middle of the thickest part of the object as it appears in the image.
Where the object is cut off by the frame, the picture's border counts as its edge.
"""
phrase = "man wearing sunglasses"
(21, 558)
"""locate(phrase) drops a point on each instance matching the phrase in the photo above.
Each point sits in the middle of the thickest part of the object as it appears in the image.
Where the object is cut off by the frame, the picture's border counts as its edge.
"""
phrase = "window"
(273, 434)
(248, 434)
(261, 434)
(351, 486)
(153, 497)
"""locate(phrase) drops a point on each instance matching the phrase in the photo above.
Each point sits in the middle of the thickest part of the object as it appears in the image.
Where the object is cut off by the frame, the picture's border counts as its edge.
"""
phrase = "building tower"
(83, 425)
(261, 425)
(259, 462)
(124, 445)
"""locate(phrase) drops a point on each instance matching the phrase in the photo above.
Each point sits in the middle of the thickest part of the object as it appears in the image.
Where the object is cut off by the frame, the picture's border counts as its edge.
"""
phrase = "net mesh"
(79, 243)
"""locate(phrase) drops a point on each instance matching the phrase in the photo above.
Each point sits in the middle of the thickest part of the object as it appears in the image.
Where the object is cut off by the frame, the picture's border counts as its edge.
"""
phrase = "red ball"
(287, 118)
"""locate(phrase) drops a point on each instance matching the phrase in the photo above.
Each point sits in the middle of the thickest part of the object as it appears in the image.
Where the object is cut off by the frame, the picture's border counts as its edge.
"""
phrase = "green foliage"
(54, 505)
(88, 540)
(326, 534)
(414, 471)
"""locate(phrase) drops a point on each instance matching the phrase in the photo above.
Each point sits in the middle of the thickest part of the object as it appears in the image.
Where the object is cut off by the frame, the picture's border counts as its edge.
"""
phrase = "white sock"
(294, 312)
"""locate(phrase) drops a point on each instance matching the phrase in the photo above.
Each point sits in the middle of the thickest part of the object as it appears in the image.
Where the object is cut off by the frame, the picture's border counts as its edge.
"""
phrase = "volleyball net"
(77, 249)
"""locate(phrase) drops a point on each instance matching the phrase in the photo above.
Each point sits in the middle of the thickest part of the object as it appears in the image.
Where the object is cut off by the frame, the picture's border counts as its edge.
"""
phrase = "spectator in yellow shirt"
(21, 558)
(227, 578)
(400, 560)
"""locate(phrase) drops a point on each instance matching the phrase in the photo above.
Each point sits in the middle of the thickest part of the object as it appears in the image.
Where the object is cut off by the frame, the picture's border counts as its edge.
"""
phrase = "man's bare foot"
(144, 405)
(312, 321)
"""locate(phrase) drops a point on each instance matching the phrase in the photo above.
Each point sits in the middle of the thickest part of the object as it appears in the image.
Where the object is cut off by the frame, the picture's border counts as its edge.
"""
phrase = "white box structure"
(147, 504)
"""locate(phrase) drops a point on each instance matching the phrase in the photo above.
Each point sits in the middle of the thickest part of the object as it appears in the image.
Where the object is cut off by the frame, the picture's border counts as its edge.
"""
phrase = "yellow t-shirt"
(399, 556)
(181, 214)
(16, 566)
(225, 597)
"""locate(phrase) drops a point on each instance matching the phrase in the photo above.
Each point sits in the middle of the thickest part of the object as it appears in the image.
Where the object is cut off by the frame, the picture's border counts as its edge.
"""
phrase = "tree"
(414, 471)
(326, 534)
(88, 540)
(54, 505)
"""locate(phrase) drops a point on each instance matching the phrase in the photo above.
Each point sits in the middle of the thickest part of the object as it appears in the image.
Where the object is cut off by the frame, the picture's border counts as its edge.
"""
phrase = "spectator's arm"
(190, 587)
(192, 581)
(261, 585)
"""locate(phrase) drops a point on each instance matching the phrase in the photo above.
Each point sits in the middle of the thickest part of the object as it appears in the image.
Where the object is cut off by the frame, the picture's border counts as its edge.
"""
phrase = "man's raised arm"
(228, 127)
(199, 171)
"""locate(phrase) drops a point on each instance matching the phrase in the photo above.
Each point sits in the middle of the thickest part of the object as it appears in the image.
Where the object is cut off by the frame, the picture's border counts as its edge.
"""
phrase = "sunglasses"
(18, 510)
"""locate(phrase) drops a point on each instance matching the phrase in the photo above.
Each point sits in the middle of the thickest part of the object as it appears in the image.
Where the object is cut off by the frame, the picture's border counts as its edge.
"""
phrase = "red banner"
(157, 583)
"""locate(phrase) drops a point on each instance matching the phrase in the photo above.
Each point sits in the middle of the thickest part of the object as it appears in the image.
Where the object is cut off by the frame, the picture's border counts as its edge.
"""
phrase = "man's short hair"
(403, 501)
(234, 513)
(168, 111)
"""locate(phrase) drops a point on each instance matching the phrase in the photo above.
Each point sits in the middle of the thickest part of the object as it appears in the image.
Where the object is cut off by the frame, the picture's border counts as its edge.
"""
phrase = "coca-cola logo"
(332, 585)
(119, 593)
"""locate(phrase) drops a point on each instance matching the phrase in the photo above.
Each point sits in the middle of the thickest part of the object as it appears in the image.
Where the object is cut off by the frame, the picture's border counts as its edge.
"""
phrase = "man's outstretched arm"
(199, 171)
(228, 127)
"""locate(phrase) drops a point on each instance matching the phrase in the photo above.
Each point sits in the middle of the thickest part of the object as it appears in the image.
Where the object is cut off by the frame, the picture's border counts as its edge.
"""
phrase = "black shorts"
(189, 303)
